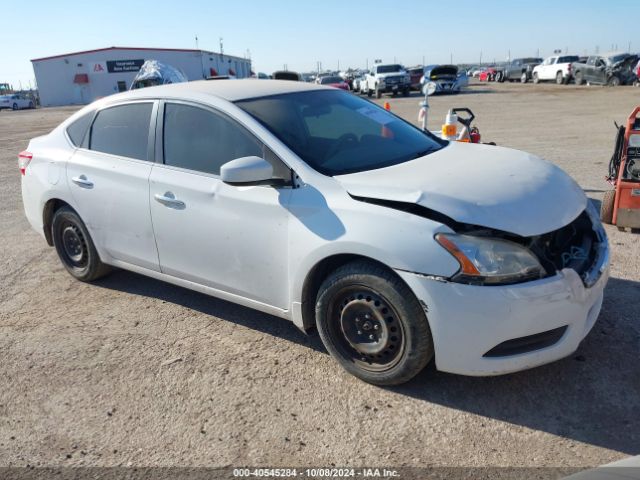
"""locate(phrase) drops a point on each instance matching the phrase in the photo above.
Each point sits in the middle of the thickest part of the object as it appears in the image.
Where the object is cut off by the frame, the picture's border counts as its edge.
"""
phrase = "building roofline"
(132, 48)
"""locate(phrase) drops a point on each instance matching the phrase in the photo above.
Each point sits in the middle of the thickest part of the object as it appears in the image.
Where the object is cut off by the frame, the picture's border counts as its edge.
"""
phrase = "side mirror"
(247, 171)
(429, 88)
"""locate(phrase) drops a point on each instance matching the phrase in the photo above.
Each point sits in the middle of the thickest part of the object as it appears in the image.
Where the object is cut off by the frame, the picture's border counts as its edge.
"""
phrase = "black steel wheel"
(75, 247)
(371, 322)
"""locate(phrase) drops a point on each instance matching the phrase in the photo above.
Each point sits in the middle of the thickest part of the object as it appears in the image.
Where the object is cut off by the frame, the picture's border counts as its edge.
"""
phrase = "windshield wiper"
(422, 154)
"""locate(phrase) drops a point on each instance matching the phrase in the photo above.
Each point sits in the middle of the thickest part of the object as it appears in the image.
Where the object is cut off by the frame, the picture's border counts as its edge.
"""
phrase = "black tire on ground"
(614, 81)
(75, 247)
(372, 324)
(524, 78)
(606, 207)
(378, 93)
(559, 78)
(536, 79)
(369, 92)
(577, 77)
(31, 105)
(14, 106)
(406, 92)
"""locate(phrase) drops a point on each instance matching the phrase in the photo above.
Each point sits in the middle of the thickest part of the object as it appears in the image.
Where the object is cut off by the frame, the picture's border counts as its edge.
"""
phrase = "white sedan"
(320, 207)
(15, 101)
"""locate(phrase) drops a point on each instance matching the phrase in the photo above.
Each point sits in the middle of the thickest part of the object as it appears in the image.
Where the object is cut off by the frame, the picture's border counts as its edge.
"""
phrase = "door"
(548, 70)
(233, 239)
(599, 72)
(109, 181)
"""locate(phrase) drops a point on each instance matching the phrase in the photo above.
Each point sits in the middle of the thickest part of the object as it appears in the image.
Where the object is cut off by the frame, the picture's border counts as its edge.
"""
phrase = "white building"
(82, 77)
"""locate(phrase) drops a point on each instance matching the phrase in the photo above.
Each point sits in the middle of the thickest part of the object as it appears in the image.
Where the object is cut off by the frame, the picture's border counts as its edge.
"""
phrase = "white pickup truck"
(556, 68)
(381, 79)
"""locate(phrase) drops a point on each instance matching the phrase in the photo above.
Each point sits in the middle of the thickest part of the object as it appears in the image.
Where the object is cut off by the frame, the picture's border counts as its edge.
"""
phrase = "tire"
(31, 106)
(14, 106)
(363, 297)
(606, 207)
(559, 78)
(524, 78)
(577, 77)
(536, 79)
(406, 92)
(75, 247)
(368, 92)
(378, 93)
(614, 81)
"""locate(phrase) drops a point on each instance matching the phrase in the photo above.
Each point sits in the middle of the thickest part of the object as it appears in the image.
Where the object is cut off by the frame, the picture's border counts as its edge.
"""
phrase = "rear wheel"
(578, 78)
(535, 77)
(378, 93)
(368, 92)
(75, 247)
(14, 106)
(524, 78)
(406, 92)
(372, 324)
(31, 105)
(606, 207)
(559, 78)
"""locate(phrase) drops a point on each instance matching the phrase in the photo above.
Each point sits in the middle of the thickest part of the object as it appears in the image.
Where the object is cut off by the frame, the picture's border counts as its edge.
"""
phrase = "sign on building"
(119, 66)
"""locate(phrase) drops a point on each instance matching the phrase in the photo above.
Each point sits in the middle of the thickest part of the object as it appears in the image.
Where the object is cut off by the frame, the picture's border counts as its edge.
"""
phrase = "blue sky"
(300, 33)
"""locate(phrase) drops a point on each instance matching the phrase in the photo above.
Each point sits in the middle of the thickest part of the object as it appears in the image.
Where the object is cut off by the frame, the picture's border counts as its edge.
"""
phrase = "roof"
(230, 90)
(83, 52)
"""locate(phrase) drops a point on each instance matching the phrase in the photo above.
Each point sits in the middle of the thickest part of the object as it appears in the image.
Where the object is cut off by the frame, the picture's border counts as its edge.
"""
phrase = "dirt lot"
(133, 371)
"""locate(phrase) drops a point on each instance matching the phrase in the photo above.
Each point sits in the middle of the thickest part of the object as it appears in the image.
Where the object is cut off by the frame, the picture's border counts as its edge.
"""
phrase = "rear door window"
(122, 130)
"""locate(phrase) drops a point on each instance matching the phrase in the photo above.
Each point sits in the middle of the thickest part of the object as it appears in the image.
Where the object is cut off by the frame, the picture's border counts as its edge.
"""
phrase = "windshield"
(337, 133)
(389, 68)
(325, 80)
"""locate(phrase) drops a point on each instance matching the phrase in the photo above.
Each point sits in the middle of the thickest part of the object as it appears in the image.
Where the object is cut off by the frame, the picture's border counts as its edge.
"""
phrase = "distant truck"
(556, 68)
(518, 69)
(609, 69)
(381, 79)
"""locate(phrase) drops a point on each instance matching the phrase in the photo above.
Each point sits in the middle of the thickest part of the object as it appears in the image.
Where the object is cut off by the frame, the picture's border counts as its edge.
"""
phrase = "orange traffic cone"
(386, 133)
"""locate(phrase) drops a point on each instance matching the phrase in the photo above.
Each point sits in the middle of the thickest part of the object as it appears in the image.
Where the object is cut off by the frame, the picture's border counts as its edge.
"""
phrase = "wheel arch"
(50, 208)
(318, 273)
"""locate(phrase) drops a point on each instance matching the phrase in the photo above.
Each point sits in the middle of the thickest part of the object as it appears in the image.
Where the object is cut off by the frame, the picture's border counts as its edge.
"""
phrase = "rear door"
(234, 239)
(108, 177)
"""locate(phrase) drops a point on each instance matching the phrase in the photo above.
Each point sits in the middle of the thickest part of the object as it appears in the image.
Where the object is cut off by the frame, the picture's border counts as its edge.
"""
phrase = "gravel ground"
(132, 371)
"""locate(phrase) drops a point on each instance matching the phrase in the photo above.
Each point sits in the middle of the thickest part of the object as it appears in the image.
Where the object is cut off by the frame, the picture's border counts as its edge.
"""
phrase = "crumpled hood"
(443, 71)
(483, 185)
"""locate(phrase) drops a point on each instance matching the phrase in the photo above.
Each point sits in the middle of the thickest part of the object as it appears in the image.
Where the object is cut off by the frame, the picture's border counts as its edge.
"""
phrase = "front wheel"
(373, 325)
(75, 247)
(14, 106)
(378, 93)
(559, 78)
(524, 78)
(536, 79)
(614, 81)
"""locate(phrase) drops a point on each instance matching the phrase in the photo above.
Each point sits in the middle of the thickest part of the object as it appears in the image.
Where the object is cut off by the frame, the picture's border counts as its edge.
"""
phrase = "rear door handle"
(82, 181)
(169, 200)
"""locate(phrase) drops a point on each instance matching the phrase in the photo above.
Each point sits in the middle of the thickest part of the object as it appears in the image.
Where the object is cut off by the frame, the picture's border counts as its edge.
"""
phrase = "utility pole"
(451, 58)
(367, 64)
(423, 60)
(338, 65)
(197, 47)
(629, 49)
(480, 57)
(221, 48)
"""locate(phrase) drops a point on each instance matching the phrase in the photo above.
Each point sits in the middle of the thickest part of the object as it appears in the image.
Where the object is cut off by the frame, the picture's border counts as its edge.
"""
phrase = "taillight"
(569, 68)
(23, 161)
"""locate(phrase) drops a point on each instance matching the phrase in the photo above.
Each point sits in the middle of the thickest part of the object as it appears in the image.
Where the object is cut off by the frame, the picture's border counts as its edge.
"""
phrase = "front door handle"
(82, 181)
(169, 200)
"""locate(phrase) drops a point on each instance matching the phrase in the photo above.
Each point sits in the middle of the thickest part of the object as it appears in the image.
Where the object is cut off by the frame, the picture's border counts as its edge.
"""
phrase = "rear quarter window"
(77, 130)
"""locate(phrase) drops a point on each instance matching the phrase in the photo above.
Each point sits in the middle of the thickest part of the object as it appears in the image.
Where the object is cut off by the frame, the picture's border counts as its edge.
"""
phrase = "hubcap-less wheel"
(74, 246)
(367, 329)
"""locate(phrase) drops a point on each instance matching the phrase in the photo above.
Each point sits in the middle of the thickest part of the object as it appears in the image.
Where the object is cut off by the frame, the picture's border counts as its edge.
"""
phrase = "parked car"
(444, 76)
(16, 101)
(463, 79)
(287, 75)
(415, 75)
(556, 68)
(477, 71)
(356, 83)
(609, 69)
(336, 82)
(387, 79)
(154, 73)
(488, 74)
(315, 205)
(518, 69)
